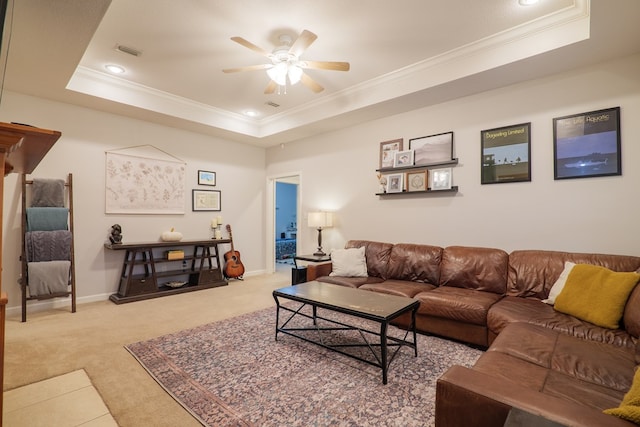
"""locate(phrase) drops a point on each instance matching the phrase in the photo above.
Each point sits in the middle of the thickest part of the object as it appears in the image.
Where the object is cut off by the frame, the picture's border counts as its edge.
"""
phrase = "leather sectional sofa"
(549, 364)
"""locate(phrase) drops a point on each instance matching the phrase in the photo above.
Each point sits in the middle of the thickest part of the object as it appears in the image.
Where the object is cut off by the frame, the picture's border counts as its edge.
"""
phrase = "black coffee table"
(380, 308)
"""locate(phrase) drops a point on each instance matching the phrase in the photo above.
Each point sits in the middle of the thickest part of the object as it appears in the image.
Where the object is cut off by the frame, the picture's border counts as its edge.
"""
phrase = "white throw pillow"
(559, 285)
(348, 262)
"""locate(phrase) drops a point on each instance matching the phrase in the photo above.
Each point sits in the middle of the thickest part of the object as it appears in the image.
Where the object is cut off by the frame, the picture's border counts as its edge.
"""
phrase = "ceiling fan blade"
(326, 65)
(251, 46)
(301, 44)
(248, 68)
(310, 83)
(271, 87)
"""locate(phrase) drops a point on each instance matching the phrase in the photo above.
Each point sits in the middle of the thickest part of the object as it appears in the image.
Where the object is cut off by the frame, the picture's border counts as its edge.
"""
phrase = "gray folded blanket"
(47, 192)
(48, 245)
(46, 278)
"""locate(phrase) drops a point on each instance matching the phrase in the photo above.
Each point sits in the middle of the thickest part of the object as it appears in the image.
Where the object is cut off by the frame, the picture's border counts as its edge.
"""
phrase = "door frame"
(270, 220)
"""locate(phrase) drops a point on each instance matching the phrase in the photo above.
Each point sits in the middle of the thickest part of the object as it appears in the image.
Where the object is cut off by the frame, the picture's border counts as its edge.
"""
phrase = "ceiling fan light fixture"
(278, 73)
(294, 73)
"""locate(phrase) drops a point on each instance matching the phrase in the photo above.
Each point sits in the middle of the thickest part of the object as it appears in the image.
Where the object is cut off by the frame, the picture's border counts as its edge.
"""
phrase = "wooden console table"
(146, 269)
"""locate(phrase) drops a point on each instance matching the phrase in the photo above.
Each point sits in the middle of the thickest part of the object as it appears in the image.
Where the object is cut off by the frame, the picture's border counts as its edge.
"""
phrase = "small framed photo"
(587, 144)
(432, 149)
(395, 182)
(403, 158)
(440, 179)
(416, 181)
(206, 200)
(206, 178)
(387, 152)
(505, 154)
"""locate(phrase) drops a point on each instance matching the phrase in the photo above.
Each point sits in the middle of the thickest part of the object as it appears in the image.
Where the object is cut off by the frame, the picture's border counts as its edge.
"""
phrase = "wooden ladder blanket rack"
(47, 243)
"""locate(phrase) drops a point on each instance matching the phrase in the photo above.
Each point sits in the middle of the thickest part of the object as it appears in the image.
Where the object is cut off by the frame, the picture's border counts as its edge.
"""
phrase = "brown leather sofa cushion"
(401, 288)
(417, 263)
(377, 255)
(530, 310)
(532, 273)
(350, 282)
(464, 305)
(482, 269)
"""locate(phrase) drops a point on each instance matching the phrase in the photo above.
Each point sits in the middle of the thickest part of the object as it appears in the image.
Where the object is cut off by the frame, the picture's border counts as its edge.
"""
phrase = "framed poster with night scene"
(587, 144)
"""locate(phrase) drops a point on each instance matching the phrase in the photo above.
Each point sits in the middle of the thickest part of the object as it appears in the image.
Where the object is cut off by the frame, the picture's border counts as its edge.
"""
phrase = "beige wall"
(591, 215)
(338, 173)
(86, 135)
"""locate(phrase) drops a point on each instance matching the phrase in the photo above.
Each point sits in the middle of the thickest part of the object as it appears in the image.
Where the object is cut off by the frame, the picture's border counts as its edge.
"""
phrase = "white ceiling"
(404, 55)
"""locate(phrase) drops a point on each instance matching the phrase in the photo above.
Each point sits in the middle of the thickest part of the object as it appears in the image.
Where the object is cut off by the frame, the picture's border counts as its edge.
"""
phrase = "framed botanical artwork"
(506, 154)
(416, 181)
(206, 178)
(587, 144)
(440, 179)
(403, 158)
(395, 182)
(432, 149)
(206, 200)
(387, 152)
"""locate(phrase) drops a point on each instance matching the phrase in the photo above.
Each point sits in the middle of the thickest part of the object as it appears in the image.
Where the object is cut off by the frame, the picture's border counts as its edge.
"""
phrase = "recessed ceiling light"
(251, 113)
(115, 69)
(527, 2)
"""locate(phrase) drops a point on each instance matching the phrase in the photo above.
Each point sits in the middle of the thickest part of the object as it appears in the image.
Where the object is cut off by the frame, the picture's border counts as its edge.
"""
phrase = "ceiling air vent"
(128, 50)
(272, 104)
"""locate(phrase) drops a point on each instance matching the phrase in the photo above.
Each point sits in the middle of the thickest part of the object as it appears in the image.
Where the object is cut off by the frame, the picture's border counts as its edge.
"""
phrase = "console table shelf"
(143, 269)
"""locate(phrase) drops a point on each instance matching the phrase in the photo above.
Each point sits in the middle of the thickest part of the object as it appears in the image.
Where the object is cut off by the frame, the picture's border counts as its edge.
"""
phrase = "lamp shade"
(320, 219)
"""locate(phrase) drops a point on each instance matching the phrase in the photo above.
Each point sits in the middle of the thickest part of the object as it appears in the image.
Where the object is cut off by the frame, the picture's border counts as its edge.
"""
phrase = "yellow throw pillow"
(629, 408)
(596, 294)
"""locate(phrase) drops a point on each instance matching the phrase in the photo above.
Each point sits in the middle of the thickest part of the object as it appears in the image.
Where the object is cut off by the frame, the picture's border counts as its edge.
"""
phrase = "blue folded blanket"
(47, 219)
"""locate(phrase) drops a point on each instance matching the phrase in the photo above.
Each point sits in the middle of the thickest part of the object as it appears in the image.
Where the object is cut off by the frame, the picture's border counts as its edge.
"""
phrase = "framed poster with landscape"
(388, 150)
(505, 154)
(432, 149)
(587, 144)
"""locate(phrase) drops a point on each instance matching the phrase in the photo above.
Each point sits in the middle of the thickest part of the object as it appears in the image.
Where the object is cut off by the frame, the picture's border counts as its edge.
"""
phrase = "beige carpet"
(56, 342)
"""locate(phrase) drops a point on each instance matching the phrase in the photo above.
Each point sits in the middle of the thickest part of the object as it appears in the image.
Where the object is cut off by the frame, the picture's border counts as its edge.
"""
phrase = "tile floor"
(65, 401)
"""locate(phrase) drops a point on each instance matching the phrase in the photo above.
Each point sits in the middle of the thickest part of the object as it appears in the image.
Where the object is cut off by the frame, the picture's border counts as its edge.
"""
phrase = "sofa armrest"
(316, 270)
(468, 398)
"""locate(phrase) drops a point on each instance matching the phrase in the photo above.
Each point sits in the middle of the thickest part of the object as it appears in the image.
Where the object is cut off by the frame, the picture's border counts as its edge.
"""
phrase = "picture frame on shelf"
(506, 154)
(440, 179)
(395, 182)
(587, 145)
(206, 178)
(432, 149)
(388, 150)
(403, 158)
(206, 200)
(416, 181)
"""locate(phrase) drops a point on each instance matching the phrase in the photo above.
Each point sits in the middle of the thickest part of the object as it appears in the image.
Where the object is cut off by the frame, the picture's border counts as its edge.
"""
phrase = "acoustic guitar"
(233, 266)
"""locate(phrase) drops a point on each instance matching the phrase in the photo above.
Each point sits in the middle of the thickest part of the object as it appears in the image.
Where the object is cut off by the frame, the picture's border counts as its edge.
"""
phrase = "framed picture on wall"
(432, 149)
(206, 200)
(416, 181)
(403, 158)
(206, 178)
(587, 144)
(440, 179)
(388, 150)
(506, 153)
(395, 182)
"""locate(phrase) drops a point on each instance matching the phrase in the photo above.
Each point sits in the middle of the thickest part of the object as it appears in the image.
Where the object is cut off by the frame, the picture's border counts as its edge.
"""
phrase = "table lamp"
(320, 220)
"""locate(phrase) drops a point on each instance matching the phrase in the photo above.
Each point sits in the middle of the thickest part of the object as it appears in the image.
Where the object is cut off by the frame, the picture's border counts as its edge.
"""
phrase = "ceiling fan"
(286, 63)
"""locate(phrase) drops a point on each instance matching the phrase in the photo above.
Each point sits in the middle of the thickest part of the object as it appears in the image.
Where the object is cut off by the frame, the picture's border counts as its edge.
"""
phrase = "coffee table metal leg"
(277, 315)
(413, 327)
(383, 351)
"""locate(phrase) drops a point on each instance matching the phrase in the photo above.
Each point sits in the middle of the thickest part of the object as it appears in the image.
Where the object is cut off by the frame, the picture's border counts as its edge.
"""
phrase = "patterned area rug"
(234, 373)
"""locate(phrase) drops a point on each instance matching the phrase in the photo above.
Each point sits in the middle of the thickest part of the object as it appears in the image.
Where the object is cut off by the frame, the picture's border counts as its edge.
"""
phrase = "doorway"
(284, 211)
